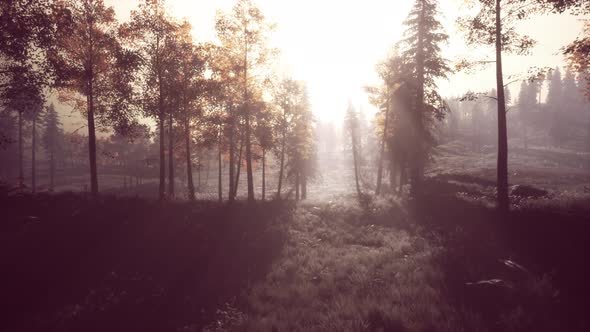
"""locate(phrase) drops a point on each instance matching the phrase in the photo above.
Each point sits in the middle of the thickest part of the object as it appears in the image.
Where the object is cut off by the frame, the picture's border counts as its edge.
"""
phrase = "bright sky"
(334, 45)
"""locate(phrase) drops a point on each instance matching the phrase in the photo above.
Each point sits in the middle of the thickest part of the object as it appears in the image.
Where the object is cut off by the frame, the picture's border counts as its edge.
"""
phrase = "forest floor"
(330, 263)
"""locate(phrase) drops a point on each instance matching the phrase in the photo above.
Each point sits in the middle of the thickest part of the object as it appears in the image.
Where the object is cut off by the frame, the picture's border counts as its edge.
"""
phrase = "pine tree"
(421, 53)
(525, 104)
(555, 93)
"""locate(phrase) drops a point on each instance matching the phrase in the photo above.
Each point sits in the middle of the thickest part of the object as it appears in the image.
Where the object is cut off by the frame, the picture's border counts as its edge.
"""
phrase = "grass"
(71, 263)
(331, 263)
(343, 270)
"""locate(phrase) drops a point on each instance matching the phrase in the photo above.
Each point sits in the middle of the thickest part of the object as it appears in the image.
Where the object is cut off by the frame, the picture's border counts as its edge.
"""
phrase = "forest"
(156, 175)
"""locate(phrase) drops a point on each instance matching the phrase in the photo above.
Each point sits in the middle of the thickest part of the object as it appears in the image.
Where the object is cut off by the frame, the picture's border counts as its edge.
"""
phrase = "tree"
(555, 100)
(264, 132)
(352, 129)
(288, 96)
(147, 32)
(52, 140)
(93, 66)
(578, 55)
(555, 94)
(189, 85)
(35, 113)
(8, 149)
(244, 33)
(494, 25)
(527, 99)
(27, 33)
(300, 148)
(421, 55)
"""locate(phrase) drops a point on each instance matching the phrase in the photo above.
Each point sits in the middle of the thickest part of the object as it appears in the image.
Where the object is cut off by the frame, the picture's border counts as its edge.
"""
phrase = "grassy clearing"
(348, 268)
(331, 263)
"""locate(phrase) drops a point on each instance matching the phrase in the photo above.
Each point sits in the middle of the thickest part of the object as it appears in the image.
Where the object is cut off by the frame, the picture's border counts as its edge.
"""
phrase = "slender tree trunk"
(232, 162)
(220, 193)
(502, 167)
(263, 174)
(189, 164)
(418, 154)
(303, 186)
(162, 185)
(199, 176)
(355, 162)
(34, 155)
(170, 156)
(208, 169)
(238, 171)
(382, 152)
(249, 175)
(92, 141)
(21, 173)
(282, 168)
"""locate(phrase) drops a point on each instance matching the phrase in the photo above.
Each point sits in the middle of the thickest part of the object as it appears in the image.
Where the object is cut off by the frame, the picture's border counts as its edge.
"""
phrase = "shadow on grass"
(70, 263)
(527, 271)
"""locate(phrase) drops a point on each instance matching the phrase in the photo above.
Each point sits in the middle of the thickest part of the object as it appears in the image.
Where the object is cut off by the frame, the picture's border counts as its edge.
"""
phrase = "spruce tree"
(555, 90)
(421, 53)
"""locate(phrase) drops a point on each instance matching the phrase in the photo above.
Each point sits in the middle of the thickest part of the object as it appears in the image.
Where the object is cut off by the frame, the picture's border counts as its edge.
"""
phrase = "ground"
(334, 262)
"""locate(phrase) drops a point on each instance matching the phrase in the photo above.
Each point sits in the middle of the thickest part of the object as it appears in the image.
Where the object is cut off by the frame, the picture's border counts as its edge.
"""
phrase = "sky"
(334, 45)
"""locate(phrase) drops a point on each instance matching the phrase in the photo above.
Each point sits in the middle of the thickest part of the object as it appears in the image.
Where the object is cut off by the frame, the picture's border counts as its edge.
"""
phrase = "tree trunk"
(355, 162)
(170, 156)
(232, 162)
(189, 164)
(92, 141)
(34, 155)
(263, 174)
(199, 176)
(238, 170)
(419, 132)
(21, 173)
(502, 167)
(219, 188)
(281, 170)
(21, 177)
(382, 152)
(249, 175)
(162, 185)
(303, 186)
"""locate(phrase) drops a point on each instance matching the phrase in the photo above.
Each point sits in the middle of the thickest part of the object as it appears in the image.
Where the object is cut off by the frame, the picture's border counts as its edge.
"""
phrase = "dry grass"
(342, 270)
